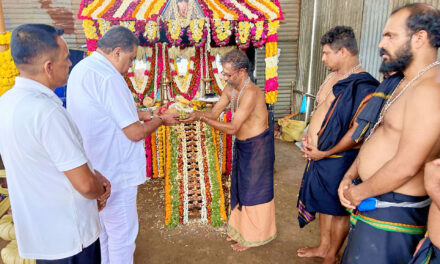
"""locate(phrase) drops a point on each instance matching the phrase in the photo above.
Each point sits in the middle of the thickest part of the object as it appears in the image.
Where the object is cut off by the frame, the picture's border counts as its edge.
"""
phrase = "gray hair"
(118, 36)
(237, 58)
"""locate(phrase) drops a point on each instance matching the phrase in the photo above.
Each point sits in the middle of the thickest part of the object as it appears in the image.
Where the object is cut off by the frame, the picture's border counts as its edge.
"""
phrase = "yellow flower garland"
(244, 29)
(219, 178)
(89, 29)
(196, 27)
(5, 38)
(271, 97)
(8, 71)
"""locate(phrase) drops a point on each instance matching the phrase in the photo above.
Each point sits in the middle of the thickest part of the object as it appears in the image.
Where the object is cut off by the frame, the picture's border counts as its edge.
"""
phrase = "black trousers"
(89, 255)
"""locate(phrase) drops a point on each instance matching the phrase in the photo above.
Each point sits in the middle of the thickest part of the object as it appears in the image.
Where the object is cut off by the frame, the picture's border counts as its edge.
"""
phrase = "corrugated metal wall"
(330, 13)
(59, 13)
(375, 16)
(288, 36)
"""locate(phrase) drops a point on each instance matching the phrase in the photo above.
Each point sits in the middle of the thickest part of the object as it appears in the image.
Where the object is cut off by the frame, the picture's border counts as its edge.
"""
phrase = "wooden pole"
(2, 27)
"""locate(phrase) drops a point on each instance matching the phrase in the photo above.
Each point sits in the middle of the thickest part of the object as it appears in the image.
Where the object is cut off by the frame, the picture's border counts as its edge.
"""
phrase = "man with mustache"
(328, 144)
(252, 220)
(387, 227)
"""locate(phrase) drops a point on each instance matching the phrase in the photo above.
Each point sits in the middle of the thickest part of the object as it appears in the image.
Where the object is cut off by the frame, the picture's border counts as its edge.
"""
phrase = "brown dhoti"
(253, 226)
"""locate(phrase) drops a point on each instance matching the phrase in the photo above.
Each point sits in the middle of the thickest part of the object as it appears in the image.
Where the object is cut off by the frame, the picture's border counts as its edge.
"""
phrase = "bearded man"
(387, 227)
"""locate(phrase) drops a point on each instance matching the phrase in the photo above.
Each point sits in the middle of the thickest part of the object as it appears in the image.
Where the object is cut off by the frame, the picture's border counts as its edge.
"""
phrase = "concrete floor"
(204, 244)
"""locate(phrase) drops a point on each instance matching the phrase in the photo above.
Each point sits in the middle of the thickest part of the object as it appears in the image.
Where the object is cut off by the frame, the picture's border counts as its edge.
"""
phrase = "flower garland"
(206, 173)
(203, 187)
(243, 33)
(167, 186)
(217, 82)
(140, 88)
(160, 137)
(151, 31)
(154, 155)
(172, 194)
(218, 213)
(183, 153)
(224, 146)
(148, 156)
(195, 80)
(8, 70)
(158, 70)
(174, 32)
(268, 8)
(221, 31)
(217, 10)
(229, 145)
(271, 86)
(259, 33)
(197, 32)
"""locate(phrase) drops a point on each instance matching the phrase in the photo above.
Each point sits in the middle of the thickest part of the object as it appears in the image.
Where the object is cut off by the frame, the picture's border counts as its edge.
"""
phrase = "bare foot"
(229, 239)
(238, 247)
(312, 252)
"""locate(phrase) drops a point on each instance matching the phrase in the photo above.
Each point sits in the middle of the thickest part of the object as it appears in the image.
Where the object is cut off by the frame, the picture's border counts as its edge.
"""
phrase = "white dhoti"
(119, 224)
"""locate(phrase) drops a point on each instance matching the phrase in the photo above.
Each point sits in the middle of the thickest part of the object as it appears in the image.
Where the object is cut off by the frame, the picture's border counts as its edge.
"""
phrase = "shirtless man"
(406, 136)
(429, 247)
(252, 220)
(328, 144)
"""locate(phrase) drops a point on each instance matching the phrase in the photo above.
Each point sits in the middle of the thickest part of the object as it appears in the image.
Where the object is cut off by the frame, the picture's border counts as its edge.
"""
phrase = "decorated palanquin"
(181, 42)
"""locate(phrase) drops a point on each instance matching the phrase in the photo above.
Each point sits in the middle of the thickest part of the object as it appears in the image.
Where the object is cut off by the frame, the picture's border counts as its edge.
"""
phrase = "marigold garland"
(8, 70)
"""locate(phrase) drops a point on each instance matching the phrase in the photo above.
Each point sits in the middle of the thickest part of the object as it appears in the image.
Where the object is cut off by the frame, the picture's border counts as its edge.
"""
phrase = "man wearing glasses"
(252, 220)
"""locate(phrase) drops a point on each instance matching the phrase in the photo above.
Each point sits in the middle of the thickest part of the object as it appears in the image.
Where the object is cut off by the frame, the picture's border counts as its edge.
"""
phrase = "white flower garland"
(271, 62)
(121, 10)
(182, 135)
(141, 13)
(272, 15)
(220, 146)
(139, 85)
(204, 215)
(100, 9)
(183, 85)
(243, 9)
(104, 26)
(151, 30)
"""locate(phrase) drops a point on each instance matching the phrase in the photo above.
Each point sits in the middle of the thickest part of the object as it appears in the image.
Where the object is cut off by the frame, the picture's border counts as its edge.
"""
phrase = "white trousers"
(120, 226)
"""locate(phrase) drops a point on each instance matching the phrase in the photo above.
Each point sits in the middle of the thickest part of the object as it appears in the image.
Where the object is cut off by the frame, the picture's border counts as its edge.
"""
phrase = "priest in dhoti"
(252, 220)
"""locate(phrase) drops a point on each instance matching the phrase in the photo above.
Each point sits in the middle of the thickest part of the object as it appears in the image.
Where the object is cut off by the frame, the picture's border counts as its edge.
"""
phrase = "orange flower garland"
(167, 179)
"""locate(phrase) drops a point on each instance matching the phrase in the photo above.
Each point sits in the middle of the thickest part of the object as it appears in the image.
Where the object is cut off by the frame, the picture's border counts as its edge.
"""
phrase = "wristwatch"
(151, 115)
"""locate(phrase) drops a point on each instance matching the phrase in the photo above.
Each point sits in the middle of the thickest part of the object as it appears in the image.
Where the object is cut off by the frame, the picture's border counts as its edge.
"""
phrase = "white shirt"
(38, 141)
(101, 105)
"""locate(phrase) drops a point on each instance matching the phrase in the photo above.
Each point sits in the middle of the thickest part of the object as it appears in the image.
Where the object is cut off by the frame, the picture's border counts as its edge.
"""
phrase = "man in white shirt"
(102, 106)
(52, 188)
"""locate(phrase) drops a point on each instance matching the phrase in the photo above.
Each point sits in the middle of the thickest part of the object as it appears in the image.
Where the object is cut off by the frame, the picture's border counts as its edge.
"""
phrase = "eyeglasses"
(228, 75)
